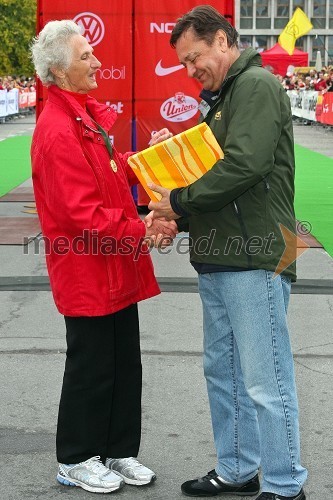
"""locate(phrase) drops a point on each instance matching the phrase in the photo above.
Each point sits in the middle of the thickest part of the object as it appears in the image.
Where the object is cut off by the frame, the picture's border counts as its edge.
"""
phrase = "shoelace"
(211, 475)
(96, 465)
(132, 462)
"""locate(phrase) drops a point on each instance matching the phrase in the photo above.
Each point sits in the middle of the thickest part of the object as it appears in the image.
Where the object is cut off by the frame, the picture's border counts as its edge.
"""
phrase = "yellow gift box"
(178, 161)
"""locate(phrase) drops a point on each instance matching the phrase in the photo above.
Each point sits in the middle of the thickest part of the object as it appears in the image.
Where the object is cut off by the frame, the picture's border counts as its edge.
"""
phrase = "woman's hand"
(159, 232)
(159, 136)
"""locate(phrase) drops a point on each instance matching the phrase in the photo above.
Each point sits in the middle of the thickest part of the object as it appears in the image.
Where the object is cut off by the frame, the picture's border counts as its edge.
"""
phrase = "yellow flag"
(298, 26)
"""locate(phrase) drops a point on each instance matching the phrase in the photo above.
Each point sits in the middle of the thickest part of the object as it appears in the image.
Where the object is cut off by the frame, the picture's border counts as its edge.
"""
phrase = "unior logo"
(179, 108)
(92, 27)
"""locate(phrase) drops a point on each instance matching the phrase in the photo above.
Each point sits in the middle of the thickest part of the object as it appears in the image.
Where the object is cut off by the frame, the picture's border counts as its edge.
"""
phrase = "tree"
(17, 28)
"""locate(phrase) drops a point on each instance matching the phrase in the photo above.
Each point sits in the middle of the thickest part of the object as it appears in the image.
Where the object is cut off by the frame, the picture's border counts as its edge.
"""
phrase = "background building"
(260, 22)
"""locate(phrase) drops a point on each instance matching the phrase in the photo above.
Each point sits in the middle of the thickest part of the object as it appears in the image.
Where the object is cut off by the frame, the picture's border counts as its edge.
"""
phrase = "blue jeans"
(249, 371)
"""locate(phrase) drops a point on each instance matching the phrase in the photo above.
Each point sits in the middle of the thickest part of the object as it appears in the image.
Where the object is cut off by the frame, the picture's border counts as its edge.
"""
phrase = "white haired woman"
(97, 270)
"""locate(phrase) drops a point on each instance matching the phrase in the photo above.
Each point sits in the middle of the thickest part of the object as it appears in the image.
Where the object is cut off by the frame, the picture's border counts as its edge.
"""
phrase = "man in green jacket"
(244, 208)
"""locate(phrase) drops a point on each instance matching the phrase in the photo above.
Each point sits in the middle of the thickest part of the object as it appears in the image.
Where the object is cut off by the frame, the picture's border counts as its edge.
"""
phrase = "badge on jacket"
(218, 115)
(113, 165)
(204, 108)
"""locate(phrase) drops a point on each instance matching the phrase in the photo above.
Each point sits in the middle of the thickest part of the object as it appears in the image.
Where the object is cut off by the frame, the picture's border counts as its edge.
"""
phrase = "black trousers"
(100, 404)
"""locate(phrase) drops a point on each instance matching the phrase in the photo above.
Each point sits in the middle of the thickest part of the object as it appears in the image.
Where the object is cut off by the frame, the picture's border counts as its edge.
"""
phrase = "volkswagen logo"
(92, 27)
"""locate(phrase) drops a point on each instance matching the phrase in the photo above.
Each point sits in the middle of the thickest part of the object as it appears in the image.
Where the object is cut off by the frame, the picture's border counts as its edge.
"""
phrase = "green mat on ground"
(14, 162)
(314, 194)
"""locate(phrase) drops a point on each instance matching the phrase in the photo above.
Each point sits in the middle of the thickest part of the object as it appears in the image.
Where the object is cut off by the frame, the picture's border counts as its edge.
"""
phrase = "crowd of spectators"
(23, 84)
(9, 82)
(320, 81)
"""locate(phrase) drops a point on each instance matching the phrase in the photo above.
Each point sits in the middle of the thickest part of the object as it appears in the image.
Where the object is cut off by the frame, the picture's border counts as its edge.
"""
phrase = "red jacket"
(320, 85)
(93, 235)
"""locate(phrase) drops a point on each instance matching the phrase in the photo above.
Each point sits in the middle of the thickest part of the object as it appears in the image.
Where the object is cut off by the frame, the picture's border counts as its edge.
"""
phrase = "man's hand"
(162, 209)
(159, 233)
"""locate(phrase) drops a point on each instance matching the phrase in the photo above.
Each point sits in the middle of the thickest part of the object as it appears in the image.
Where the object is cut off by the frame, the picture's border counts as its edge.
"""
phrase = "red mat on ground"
(18, 230)
(19, 194)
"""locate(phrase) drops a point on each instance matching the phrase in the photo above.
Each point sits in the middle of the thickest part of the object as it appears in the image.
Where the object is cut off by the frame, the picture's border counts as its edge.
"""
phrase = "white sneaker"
(131, 470)
(90, 475)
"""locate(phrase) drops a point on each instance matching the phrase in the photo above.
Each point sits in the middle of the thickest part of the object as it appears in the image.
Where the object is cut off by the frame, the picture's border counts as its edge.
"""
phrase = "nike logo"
(160, 71)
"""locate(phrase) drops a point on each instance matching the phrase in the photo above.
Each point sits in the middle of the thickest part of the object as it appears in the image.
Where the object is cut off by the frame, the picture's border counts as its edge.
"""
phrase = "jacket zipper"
(243, 228)
(107, 261)
(267, 186)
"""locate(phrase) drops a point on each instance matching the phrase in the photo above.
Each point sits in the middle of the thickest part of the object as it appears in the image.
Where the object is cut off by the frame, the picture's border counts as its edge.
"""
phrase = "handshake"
(160, 233)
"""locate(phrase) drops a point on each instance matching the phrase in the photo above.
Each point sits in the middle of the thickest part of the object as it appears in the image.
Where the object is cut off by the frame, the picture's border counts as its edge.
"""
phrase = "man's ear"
(222, 40)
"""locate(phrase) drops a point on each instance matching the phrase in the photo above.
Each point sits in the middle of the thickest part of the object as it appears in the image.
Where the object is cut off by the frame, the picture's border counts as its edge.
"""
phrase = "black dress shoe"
(213, 485)
(275, 496)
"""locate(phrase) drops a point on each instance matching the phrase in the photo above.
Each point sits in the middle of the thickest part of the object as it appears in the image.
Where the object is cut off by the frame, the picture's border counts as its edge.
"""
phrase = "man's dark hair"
(205, 21)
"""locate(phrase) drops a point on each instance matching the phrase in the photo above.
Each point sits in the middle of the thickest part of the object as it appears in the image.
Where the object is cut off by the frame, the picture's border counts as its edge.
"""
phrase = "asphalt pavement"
(176, 437)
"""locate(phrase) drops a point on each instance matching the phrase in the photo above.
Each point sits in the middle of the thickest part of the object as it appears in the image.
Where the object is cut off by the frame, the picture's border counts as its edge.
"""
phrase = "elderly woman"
(98, 264)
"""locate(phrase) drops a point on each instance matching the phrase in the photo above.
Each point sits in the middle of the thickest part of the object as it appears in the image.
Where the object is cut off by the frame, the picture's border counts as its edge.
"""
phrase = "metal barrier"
(16, 102)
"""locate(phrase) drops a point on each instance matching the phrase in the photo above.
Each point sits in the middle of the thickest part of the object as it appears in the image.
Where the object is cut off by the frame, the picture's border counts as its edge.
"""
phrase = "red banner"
(327, 109)
(164, 95)
(108, 28)
(158, 92)
(23, 98)
(32, 99)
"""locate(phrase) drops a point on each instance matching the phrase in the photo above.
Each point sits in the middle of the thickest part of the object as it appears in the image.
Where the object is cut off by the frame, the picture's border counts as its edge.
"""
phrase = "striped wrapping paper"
(178, 161)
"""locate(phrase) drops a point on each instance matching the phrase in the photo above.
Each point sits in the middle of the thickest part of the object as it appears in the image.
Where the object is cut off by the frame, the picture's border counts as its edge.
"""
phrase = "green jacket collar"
(249, 57)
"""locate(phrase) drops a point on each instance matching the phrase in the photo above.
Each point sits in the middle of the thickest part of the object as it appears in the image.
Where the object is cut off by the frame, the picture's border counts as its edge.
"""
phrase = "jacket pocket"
(245, 235)
(122, 274)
